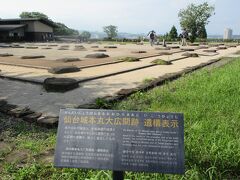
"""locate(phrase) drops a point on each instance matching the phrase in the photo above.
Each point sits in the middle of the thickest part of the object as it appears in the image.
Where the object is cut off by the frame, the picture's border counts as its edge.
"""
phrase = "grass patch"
(129, 59)
(161, 62)
(26, 136)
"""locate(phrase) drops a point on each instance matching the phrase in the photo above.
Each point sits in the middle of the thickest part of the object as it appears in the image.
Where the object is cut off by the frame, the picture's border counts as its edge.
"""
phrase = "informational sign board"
(120, 141)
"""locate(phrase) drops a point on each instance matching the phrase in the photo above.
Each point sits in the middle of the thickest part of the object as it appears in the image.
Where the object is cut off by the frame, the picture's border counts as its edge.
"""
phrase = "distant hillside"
(221, 36)
(101, 35)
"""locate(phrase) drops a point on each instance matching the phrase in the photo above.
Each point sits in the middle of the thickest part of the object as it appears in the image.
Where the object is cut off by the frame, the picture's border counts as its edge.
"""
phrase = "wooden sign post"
(118, 175)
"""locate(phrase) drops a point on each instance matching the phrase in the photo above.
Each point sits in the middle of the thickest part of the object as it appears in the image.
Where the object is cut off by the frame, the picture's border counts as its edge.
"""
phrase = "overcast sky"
(133, 16)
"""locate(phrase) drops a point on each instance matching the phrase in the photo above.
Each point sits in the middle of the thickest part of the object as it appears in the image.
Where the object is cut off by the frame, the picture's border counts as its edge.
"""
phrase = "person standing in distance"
(184, 37)
(152, 35)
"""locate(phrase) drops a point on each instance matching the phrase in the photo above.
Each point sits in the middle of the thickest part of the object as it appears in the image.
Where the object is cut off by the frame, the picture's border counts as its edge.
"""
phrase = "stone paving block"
(64, 69)
(210, 50)
(139, 52)
(6, 108)
(60, 84)
(63, 49)
(69, 59)
(5, 55)
(187, 54)
(32, 117)
(165, 53)
(48, 121)
(221, 47)
(97, 55)
(162, 48)
(32, 47)
(100, 50)
(20, 111)
(32, 57)
(174, 47)
(47, 48)
(110, 47)
(187, 49)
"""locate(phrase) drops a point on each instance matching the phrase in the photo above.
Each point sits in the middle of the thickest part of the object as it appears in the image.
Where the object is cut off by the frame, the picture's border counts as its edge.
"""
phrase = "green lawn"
(210, 101)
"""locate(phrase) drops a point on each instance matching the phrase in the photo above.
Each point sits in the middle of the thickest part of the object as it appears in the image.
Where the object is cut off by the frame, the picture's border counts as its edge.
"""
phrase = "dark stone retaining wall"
(28, 115)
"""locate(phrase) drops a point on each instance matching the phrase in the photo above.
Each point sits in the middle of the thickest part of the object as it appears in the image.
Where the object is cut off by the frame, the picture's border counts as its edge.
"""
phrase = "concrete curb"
(26, 66)
(124, 93)
(21, 80)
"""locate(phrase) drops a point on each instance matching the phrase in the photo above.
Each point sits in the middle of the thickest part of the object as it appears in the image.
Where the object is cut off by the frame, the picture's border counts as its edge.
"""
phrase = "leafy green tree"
(202, 33)
(63, 30)
(111, 31)
(173, 34)
(194, 17)
(166, 37)
(33, 15)
(60, 29)
(85, 35)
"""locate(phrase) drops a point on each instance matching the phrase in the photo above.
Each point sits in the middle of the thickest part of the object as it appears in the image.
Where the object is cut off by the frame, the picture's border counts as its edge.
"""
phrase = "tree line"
(193, 19)
(60, 29)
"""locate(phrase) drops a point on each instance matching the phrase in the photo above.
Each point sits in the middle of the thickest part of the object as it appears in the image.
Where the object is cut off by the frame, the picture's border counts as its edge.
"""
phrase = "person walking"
(152, 35)
(184, 37)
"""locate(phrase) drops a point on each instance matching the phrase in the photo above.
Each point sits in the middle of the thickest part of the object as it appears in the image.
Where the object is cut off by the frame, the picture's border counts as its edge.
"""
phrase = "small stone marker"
(165, 53)
(32, 47)
(139, 52)
(79, 48)
(174, 47)
(221, 47)
(69, 59)
(17, 46)
(5, 55)
(110, 47)
(5, 46)
(120, 141)
(210, 50)
(60, 84)
(187, 54)
(100, 50)
(32, 57)
(97, 55)
(187, 49)
(232, 45)
(64, 69)
(63, 48)
(162, 48)
(52, 45)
